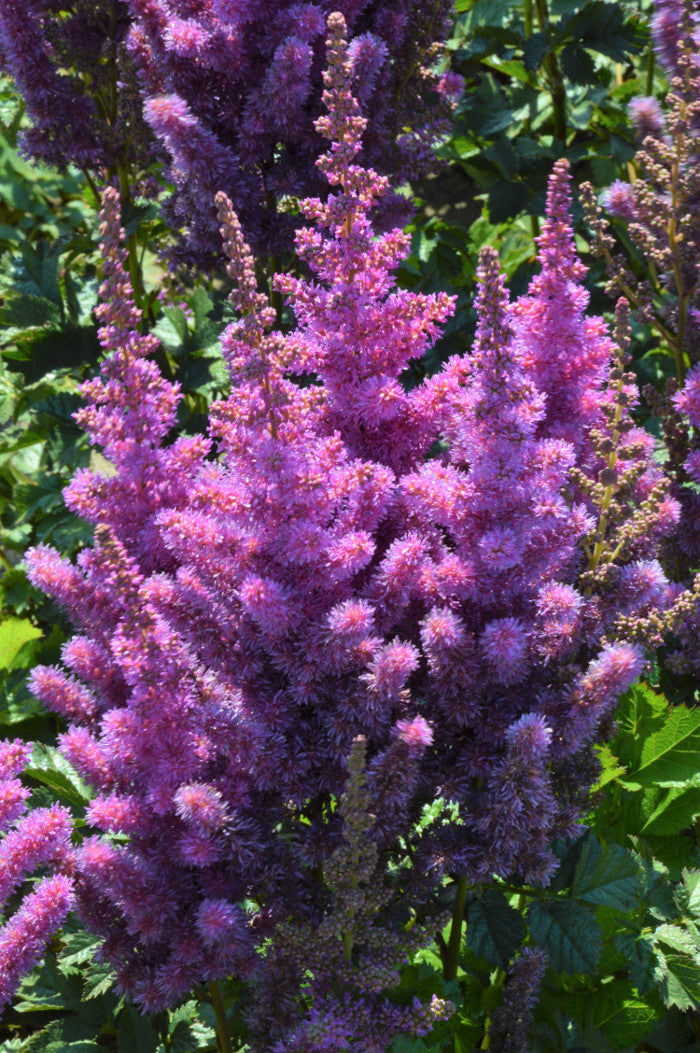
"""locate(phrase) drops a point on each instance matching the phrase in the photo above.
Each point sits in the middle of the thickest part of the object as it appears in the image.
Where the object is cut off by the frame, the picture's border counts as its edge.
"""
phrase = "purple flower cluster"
(31, 839)
(232, 91)
(69, 61)
(318, 573)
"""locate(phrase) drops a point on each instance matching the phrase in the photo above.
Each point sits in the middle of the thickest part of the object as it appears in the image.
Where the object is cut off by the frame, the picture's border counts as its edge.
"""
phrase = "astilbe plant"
(214, 689)
(335, 572)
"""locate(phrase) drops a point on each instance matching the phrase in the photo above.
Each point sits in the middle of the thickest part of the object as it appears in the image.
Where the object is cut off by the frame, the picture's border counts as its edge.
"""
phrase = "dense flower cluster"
(69, 61)
(232, 90)
(31, 839)
(243, 619)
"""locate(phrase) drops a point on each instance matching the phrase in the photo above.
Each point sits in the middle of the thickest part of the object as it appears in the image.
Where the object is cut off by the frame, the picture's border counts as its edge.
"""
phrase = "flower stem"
(455, 941)
(223, 1042)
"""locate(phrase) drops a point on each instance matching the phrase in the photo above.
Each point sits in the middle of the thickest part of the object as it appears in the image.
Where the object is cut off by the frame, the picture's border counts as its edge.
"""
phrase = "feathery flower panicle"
(510, 1024)
(31, 839)
(661, 209)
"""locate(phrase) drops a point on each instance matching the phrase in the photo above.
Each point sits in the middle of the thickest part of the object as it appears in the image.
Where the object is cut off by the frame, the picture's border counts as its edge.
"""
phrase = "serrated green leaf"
(187, 1031)
(616, 1011)
(606, 875)
(691, 884)
(568, 932)
(641, 958)
(669, 755)
(612, 769)
(50, 768)
(577, 65)
(495, 930)
(675, 938)
(535, 48)
(78, 947)
(24, 310)
(678, 980)
(676, 810)
(135, 1032)
(602, 27)
(98, 981)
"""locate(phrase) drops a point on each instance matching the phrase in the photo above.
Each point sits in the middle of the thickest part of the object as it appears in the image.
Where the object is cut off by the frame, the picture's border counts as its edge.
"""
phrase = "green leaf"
(641, 958)
(675, 938)
(24, 310)
(691, 886)
(675, 811)
(670, 755)
(568, 932)
(535, 49)
(136, 1033)
(622, 1017)
(187, 1032)
(51, 769)
(14, 634)
(495, 930)
(678, 979)
(78, 947)
(577, 65)
(612, 768)
(606, 875)
(601, 27)
(98, 981)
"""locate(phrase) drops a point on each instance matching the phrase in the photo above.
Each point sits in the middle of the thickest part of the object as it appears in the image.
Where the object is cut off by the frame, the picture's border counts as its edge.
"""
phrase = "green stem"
(276, 299)
(555, 80)
(223, 1041)
(92, 184)
(451, 963)
(650, 71)
(497, 980)
(528, 17)
(132, 247)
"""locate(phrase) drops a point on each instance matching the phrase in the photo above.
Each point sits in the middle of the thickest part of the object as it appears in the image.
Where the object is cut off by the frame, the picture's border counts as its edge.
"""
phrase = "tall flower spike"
(355, 333)
(566, 351)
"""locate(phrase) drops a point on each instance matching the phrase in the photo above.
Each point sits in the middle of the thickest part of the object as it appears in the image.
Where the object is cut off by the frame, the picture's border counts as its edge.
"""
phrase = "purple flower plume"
(31, 839)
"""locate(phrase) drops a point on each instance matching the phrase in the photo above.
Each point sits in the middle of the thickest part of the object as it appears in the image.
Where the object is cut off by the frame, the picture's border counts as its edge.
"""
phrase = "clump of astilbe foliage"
(392, 596)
